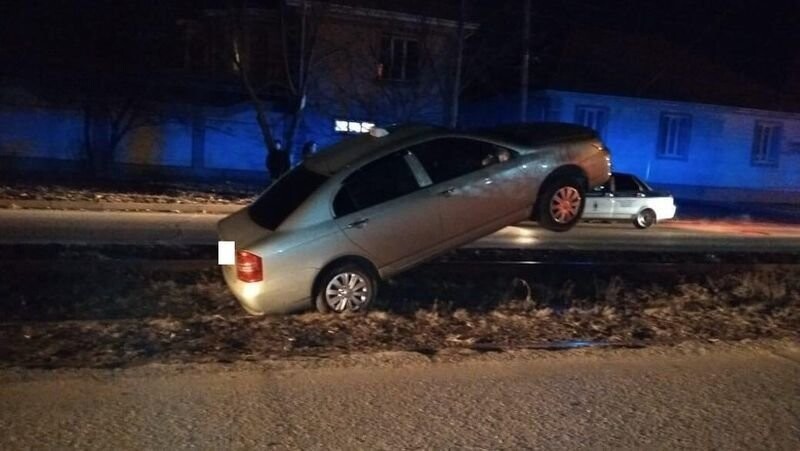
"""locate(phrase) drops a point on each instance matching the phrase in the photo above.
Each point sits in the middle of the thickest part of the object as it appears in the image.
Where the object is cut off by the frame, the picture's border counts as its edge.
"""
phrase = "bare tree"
(298, 25)
(111, 112)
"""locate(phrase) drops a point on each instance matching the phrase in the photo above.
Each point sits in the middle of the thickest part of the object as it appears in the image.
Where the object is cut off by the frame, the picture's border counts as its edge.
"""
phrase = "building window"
(595, 117)
(673, 135)
(766, 143)
(342, 126)
(399, 59)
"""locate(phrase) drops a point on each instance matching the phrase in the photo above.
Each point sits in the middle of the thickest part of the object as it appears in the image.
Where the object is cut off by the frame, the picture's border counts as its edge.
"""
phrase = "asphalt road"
(741, 397)
(54, 226)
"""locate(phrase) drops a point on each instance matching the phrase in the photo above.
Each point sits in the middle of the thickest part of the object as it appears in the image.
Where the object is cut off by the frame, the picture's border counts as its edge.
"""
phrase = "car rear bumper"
(269, 296)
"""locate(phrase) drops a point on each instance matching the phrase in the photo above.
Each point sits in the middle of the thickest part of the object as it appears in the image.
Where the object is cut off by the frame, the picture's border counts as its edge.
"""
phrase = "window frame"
(772, 149)
(386, 58)
(602, 112)
(674, 138)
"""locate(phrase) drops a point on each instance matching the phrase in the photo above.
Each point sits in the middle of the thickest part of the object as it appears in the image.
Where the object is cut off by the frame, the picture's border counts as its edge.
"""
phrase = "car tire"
(561, 204)
(645, 219)
(346, 288)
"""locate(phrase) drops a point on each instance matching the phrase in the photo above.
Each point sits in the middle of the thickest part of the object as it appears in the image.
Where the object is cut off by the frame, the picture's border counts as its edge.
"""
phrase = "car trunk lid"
(240, 228)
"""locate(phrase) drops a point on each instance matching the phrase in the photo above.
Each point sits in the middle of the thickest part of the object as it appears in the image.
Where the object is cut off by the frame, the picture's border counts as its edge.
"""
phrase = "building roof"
(442, 13)
(637, 65)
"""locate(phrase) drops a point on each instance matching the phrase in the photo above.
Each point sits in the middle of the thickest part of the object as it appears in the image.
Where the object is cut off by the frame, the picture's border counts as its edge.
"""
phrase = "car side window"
(625, 183)
(448, 158)
(380, 181)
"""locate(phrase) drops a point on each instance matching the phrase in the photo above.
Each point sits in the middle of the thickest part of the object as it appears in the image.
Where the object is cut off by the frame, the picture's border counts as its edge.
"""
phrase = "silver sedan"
(372, 206)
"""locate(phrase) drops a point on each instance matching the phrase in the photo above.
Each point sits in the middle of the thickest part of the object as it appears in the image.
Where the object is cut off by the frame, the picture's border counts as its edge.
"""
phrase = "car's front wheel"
(644, 219)
(561, 204)
(345, 288)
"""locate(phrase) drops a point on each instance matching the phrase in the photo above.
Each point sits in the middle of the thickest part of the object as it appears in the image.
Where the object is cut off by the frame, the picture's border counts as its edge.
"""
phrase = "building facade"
(698, 151)
(360, 66)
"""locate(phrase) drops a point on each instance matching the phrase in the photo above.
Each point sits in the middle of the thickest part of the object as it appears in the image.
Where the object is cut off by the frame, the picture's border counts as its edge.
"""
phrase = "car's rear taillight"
(248, 267)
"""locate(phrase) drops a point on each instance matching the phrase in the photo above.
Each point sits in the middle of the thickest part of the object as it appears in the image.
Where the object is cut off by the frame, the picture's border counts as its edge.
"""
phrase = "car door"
(600, 202)
(470, 197)
(383, 210)
(513, 188)
(628, 196)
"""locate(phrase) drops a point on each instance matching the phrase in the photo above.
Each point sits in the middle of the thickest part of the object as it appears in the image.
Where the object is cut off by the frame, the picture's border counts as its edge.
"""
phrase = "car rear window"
(625, 183)
(284, 196)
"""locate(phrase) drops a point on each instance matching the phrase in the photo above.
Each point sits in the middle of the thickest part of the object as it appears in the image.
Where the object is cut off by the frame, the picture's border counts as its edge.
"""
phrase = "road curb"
(172, 207)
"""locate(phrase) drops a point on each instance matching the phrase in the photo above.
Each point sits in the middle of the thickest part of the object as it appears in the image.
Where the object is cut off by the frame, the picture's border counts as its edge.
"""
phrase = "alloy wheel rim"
(645, 219)
(345, 290)
(565, 204)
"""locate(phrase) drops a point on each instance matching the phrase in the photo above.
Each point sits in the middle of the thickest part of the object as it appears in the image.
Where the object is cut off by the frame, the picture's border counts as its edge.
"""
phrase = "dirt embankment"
(91, 311)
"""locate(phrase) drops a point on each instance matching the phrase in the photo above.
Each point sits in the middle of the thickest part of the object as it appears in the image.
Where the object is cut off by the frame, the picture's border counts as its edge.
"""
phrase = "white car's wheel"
(645, 219)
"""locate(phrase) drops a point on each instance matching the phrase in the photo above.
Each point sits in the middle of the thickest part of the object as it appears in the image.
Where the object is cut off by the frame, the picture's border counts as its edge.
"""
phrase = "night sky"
(755, 40)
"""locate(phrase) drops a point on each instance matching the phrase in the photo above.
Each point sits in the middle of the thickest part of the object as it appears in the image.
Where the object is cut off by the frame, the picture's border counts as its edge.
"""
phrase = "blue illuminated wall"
(194, 143)
(197, 142)
(166, 144)
(233, 140)
(41, 133)
(716, 162)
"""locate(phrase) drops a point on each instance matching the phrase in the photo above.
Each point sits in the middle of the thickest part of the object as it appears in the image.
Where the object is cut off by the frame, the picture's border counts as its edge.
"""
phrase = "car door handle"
(448, 192)
(487, 181)
(358, 224)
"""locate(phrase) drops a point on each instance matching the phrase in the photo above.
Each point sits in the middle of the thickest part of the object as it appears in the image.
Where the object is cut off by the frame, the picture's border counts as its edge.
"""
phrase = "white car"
(626, 198)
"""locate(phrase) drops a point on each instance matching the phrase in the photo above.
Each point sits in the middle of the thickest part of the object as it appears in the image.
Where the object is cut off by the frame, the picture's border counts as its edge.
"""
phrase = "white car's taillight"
(248, 267)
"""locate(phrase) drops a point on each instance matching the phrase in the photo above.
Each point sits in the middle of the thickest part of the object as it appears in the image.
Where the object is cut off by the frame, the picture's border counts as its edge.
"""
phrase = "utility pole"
(526, 62)
(302, 63)
(459, 62)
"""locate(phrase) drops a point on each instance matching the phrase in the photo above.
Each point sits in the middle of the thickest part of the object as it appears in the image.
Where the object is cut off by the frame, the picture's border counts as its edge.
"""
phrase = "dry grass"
(136, 317)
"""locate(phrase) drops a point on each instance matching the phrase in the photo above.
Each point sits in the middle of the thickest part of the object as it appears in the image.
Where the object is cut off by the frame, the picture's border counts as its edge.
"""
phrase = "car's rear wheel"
(345, 288)
(645, 219)
(561, 204)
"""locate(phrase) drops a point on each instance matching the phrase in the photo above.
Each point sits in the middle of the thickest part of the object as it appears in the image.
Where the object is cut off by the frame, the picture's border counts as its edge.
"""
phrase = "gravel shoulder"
(145, 197)
(693, 396)
(120, 192)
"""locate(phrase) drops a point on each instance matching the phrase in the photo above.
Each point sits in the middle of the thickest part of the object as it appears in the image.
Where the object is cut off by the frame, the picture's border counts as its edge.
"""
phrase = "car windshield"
(284, 196)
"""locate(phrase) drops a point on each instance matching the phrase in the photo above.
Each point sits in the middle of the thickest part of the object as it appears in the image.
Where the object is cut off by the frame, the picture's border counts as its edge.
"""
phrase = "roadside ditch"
(112, 306)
